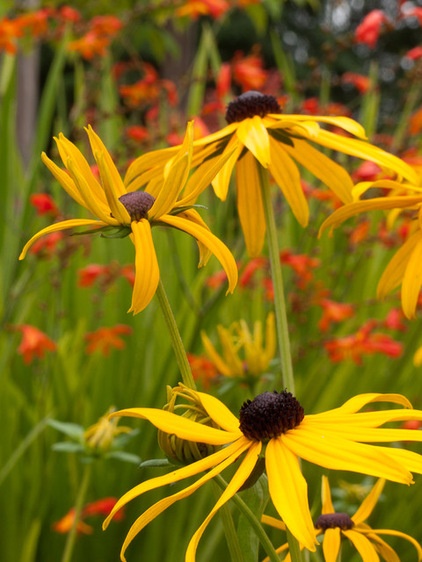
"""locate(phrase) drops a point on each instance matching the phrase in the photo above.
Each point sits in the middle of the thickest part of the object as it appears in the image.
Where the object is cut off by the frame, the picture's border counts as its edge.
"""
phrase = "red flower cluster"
(100, 507)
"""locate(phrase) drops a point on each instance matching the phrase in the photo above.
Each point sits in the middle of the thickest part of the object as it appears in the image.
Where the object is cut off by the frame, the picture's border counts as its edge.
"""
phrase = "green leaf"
(70, 429)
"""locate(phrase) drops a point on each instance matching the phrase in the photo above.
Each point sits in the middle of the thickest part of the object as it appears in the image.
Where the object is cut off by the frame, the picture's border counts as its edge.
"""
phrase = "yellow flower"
(259, 135)
(238, 338)
(274, 424)
(99, 437)
(132, 213)
(337, 526)
(405, 267)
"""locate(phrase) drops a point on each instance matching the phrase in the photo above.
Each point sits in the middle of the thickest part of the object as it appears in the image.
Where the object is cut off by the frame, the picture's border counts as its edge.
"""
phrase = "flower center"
(137, 204)
(333, 521)
(269, 415)
(250, 104)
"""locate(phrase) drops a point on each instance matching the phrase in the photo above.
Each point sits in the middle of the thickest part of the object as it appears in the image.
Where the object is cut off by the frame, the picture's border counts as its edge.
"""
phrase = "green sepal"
(107, 231)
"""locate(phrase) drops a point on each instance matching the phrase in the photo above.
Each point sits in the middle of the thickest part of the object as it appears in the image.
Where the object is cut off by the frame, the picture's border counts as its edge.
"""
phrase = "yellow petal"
(285, 172)
(113, 187)
(236, 481)
(221, 181)
(214, 356)
(249, 204)
(345, 123)
(331, 544)
(399, 534)
(289, 491)
(276, 523)
(327, 504)
(192, 215)
(219, 413)
(147, 274)
(64, 179)
(367, 506)
(254, 136)
(147, 166)
(356, 403)
(362, 545)
(56, 227)
(412, 280)
(214, 244)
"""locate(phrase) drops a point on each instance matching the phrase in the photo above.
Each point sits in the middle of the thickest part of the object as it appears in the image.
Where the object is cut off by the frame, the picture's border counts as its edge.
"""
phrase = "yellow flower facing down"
(259, 135)
(133, 213)
(336, 527)
(405, 267)
(238, 340)
(100, 436)
(274, 425)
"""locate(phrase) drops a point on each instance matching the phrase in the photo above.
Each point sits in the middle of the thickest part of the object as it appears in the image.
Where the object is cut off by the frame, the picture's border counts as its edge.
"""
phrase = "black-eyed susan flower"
(405, 266)
(275, 426)
(336, 527)
(245, 354)
(259, 134)
(132, 213)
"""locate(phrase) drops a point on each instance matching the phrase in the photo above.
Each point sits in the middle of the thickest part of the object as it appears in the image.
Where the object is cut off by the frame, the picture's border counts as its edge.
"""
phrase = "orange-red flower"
(43, 203)
(248, 71)
(90, 45)
(10, 31)
(46, 247)
(105, 339)
(368, 31)
(334, 312)
(203, 370)
(359, 81)
(100, 507)
(34, 343)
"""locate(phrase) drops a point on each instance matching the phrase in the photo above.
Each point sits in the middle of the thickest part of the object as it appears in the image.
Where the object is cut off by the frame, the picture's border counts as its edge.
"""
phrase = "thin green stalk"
(287, 379)
(80, 500)
(255, 523)
(176, 340)
(230, 532)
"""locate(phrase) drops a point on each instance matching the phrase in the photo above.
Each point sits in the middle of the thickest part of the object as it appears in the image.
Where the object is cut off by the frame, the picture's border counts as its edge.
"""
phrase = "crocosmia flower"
(35, 343)
(274, 426)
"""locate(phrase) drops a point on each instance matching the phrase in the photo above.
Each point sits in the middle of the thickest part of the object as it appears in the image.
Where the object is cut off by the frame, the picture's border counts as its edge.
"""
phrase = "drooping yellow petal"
(331, 544)
(147, 273)
(383, 549)
(212, 353)
(221, 181)
(253, 134)
(329, 172)
(367, 506)
(183, 428)
(285, 172)
(412, 280)
(394, 272)
(143, 168)
(327, 504)
(249, 204)
(214, 244)
(362, 545)
(357, 402)
(345, 123)
(113, 186)
(274, 522)
(238, 479)
(205, 464)
(289, 491)
(64, 179)
(389, 532)
(219, 413)
(331, 451)
(56, 227)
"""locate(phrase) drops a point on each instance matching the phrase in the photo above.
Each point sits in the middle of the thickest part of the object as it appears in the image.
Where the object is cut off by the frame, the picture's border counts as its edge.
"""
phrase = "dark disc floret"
(250, 104)
(269, 415)
(137, 204)
(334, 521)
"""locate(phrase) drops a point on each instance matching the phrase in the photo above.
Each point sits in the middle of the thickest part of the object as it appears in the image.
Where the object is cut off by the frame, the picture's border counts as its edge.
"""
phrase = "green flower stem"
(255, 523)
(80, 500)
(282, 328)
(176, 340)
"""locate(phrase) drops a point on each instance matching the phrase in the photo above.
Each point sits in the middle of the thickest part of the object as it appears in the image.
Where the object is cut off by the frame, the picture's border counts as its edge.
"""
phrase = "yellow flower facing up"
(405, 267)
(336, 527)
(244, 353)
(133, 213)
(274, 425)
(259, 135)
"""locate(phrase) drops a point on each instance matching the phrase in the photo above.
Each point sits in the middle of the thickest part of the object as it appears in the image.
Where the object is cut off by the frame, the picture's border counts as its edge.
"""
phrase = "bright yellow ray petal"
(144, 167)
(221, 181)
(64, 179)
(412, 280)
(219, 413)
(214, 355)
(218, 136)
(327, 504)
(192, 215)
(285, 173)
(409, 459)
(331, 544)
(254, 136)
(249, 204)
(357, 402)
(289, 491)
(274, 522)
(113, 187)
(180, 426)
(62, 225)
(367, 506)
(214, 460)
(236, 481)
(375, 532)
(394, 272)
(333, 452)
(214, 244)
(147, 274)
(345, 123)
(362, 545)
(329, 172)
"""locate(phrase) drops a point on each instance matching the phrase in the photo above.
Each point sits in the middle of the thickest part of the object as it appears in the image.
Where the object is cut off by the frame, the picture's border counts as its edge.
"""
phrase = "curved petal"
(253, 134)
(113, 185)
(367, 506)
(146, 167)
(64, 179)
(214, 244)
(62, 225)
(345, 123)
(249, 203)
(331, 544)
(192, 215)
(219, 413)
(285, 172)
(221, 181)
(412, 280)
(274, 522)
(237, 480)
(214, 460)
(182, 427)
(327, 504)
(363, 546)
(289, 491)
(356, 403)
(214, 355)
(147, 274)
(375, 532)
